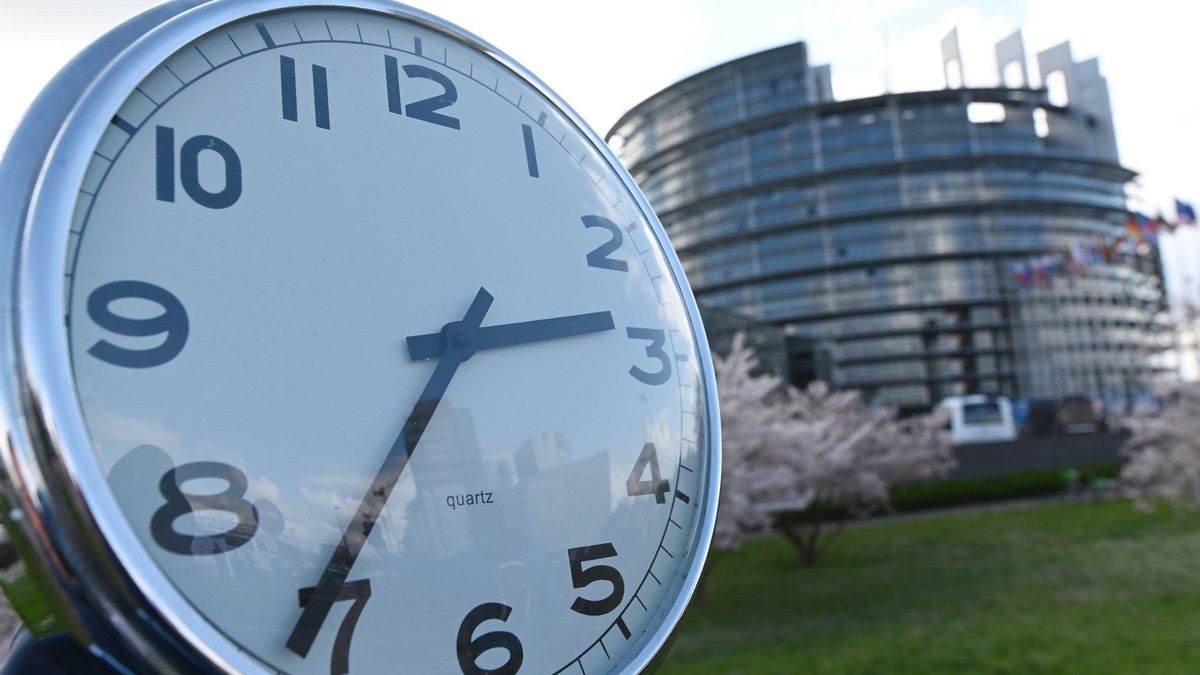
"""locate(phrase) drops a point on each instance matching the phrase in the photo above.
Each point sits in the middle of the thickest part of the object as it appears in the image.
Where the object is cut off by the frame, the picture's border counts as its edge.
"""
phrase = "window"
(980, 112)
(1056, 88)
(1041, 124)
(976, 414)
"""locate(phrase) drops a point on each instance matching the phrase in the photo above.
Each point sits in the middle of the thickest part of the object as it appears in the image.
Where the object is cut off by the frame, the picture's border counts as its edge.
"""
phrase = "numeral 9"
(173, 323)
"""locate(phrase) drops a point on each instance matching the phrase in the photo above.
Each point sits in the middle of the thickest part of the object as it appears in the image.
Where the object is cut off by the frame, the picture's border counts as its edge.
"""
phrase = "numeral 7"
(358, 591)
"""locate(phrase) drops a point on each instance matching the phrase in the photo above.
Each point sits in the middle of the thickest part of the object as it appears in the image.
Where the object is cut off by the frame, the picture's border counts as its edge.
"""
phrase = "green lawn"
(1072, 588)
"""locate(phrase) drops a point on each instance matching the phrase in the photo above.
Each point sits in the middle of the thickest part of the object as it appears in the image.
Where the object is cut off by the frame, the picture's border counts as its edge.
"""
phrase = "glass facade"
(879, 234)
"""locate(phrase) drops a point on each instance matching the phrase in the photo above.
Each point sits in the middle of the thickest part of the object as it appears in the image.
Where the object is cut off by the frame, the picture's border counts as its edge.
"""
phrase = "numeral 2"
(287, 85)
(425, 109)
(358, 591)
(599, 257)
(189, 169)
(470, 649)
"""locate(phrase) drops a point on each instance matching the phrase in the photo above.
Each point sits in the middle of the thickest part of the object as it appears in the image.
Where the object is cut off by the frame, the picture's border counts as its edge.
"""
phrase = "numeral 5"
(581, 578)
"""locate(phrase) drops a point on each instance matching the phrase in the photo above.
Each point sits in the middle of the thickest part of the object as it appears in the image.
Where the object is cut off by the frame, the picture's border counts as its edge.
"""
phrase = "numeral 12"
(425, 109)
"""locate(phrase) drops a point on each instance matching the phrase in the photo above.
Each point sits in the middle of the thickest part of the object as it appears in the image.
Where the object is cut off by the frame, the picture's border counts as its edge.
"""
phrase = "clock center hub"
(460, 338)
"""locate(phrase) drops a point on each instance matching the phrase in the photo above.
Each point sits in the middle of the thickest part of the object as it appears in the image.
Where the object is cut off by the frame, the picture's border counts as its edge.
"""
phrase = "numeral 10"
(189, 169)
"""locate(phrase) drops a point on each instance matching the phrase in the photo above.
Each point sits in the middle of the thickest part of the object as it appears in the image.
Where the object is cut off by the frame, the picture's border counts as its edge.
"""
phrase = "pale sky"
(603, 58)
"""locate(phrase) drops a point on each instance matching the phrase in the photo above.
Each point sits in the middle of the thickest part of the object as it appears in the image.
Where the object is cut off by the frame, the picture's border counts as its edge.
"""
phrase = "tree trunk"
(808, 539)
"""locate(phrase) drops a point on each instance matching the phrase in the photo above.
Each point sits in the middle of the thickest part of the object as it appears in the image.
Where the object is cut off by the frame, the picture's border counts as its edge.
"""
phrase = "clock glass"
(384, 364)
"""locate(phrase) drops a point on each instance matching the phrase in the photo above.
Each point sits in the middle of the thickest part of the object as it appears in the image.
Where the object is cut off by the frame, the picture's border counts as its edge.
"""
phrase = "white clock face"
(385, 367)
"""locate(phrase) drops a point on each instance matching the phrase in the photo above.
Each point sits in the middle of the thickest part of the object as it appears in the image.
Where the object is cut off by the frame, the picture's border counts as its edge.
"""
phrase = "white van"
(979, 418)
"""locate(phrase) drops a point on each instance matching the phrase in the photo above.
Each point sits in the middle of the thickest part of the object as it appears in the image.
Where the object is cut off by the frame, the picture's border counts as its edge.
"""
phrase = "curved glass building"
(881, 233)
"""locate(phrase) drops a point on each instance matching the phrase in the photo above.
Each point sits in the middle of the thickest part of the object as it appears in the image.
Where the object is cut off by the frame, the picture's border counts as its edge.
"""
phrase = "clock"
(336, 342)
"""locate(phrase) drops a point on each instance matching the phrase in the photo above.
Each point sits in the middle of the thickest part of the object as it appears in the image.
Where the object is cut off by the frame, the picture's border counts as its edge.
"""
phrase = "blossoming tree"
(794, 460)
(1164, 449)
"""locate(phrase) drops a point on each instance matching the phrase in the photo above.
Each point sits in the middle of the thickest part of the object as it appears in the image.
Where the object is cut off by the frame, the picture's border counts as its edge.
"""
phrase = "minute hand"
(433, 345)
(333, 577)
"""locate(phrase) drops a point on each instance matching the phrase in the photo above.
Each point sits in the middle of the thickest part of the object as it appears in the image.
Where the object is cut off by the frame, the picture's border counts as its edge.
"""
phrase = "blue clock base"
(57, 654)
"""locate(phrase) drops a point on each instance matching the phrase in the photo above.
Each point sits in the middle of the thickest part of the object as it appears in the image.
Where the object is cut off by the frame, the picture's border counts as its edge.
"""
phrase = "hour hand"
(433, 345)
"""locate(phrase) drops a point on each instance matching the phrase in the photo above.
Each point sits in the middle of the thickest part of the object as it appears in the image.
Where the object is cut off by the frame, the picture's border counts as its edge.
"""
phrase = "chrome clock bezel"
(78, 551)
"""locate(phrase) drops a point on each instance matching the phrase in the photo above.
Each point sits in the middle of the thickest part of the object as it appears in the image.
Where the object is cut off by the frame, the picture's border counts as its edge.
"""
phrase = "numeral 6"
(470, 649)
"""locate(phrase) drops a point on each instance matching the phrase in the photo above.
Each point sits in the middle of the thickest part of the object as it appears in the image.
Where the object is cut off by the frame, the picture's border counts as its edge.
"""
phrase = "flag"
(1021, 274)
(1162, 223)
(1055, 262)
(1040, 274)
(1131, 226)
(1185, 213)
(1077, 259)
(1108, 250)
(1149, 228)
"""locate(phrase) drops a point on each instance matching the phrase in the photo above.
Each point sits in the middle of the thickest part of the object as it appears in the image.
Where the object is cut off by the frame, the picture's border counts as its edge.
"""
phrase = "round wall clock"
(335, 342)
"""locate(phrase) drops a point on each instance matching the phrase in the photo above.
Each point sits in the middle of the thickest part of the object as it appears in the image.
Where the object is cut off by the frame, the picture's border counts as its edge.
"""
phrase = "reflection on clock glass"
(384, 365)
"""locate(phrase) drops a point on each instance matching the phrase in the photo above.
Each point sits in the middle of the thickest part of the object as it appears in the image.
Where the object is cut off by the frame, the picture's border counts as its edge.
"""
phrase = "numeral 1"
(530, 151)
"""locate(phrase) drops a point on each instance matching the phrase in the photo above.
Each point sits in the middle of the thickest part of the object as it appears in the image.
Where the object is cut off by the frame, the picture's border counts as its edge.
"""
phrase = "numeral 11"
(287, 85)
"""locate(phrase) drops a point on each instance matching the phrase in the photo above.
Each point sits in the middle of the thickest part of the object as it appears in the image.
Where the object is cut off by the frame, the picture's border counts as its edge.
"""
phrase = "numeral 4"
(657, 485)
